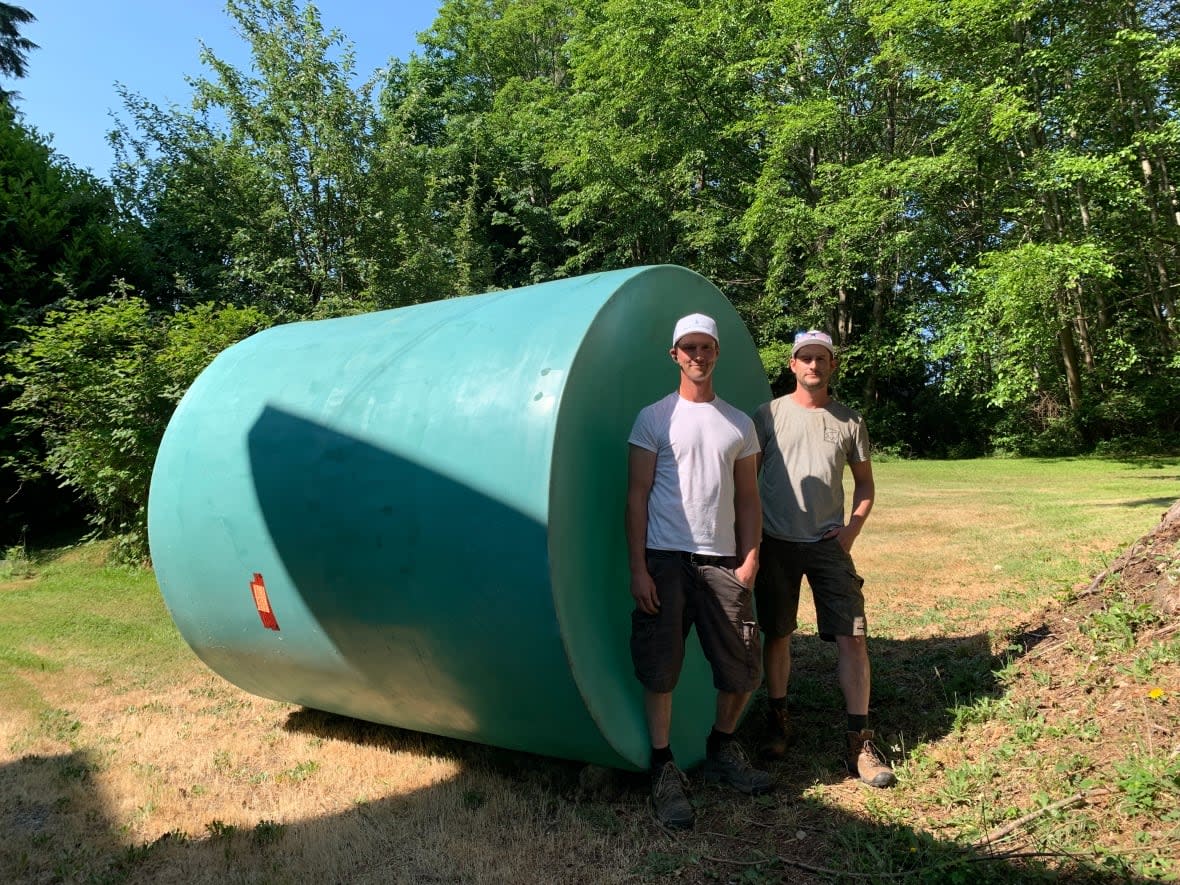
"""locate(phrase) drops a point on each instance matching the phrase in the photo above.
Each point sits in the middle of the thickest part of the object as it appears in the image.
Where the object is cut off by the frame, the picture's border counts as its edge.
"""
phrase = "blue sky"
(150, 46)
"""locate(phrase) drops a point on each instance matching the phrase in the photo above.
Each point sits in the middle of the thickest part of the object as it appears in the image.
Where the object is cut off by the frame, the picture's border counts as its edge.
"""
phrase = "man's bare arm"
(864, 491)
(641, 473)
(748, 512)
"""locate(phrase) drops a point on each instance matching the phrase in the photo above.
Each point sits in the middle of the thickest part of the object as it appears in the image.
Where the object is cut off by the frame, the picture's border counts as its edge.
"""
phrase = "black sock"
(857, 723)
(716, 739)
(660, 756)
(773, 704)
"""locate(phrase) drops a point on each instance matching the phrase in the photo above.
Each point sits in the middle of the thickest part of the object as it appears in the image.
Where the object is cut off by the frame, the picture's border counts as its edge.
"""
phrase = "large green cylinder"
(415, 516)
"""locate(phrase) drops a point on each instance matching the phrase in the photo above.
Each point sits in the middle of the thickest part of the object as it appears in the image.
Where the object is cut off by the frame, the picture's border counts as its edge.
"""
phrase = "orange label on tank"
(262, 603)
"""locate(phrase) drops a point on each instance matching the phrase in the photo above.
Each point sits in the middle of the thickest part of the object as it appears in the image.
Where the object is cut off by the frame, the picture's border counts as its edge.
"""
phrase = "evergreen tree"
(14, 48)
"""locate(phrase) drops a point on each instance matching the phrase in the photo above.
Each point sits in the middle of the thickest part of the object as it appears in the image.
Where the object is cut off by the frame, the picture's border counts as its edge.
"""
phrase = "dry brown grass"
(180, 777)
(227, 787)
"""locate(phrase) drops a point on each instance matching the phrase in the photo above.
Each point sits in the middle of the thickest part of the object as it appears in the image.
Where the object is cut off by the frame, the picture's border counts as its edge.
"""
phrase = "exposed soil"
(1077, 665)
(1147, 571)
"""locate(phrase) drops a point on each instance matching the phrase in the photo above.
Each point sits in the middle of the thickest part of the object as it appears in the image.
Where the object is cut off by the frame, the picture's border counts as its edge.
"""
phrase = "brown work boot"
(778, 724)
(866, 762)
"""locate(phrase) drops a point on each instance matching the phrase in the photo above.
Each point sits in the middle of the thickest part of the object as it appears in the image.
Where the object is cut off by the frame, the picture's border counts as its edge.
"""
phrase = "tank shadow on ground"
(916, 685)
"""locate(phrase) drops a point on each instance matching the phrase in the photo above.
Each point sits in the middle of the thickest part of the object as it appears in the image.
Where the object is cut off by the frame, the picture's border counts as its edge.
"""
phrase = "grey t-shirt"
(804, 452)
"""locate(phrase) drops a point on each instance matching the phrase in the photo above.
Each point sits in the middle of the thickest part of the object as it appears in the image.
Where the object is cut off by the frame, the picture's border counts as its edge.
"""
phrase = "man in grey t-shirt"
(807, 440)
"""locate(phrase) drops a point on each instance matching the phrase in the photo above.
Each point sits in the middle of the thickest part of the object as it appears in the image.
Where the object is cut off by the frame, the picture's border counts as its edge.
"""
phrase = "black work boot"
(669, 798)
(729, 765)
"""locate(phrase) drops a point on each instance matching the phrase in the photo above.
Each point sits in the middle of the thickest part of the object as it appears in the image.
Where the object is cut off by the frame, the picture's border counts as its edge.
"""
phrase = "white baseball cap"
(812, 336)
(695, 322)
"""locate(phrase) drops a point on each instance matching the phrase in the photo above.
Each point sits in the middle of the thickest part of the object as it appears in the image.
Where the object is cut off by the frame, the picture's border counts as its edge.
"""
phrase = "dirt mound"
(1149, 571)
(1143, 584)
(1103, 670)
(1118, 634)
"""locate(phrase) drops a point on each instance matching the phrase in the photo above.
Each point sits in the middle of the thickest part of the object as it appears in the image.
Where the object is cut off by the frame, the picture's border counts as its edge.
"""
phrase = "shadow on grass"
(916, 682)
(1152, 462)
(59, 828)
(1164, 502)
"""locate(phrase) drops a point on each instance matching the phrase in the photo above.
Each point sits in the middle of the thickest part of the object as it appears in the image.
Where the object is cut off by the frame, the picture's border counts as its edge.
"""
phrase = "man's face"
(696, 354)
(813, 366)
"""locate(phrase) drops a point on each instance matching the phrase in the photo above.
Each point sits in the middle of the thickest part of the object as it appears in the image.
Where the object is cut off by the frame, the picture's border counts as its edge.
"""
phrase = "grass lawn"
(1034, 727)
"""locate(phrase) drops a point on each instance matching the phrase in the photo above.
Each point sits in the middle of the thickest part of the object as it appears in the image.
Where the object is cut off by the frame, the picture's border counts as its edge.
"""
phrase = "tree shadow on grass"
(1164, 502)
(1152, 462)
(917, 687)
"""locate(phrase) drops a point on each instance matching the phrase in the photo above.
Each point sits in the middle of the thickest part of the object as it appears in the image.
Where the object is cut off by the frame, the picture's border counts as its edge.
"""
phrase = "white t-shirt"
(691, 506)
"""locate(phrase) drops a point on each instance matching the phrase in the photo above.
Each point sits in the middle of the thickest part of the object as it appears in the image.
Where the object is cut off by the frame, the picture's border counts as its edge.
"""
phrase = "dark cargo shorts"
(835, 587)
(721, 607)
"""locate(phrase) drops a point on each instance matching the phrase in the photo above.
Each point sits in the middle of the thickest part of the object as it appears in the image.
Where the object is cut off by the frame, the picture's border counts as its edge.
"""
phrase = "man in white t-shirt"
(807, 439)
(693, 525)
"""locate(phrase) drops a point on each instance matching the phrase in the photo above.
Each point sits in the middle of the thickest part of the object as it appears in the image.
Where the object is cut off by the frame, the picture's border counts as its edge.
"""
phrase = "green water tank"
(415, 516)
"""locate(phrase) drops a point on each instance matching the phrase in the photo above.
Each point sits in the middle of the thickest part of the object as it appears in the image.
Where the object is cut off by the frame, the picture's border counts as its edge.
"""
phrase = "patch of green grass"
(983, 709)
(267, 832)
(1075, 770)
(1080, 728)
(59, 725)
(136, 855)
(299, 772)
(599, 816)
(473, 799)
(963, 783)
(1048, 522)
(1114, 627)
(143, 813)
(1150, 785)
(77, 770)
(79, 613)
(16, 563)
(22, 659)
(227, 704)
(150, 707)
(667, 863)
(1157, 654)
(219, 829)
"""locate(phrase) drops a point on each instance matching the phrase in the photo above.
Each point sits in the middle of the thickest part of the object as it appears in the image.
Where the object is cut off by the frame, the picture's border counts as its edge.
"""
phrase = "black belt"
(695, 558)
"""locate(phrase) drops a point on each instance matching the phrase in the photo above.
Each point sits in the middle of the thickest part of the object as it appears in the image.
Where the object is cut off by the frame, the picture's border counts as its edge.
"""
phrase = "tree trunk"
(1073, 375)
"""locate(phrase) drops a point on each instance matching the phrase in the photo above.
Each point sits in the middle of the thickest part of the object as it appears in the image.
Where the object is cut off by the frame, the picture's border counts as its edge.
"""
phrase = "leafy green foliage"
(98, 380)
(976, 199)
(59, 228)
(945, 187)
(60, 236)
(1150, 785)
(1115, 626)
(303, 203)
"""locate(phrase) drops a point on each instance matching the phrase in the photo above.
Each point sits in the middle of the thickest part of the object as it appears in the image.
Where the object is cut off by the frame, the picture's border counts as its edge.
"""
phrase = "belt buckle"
(698, 559)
